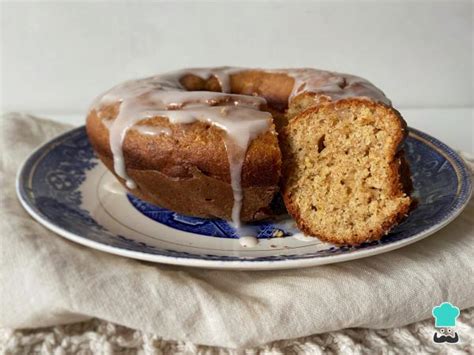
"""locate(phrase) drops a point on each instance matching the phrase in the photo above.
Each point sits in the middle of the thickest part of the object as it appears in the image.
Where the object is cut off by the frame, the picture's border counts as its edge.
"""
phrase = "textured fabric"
(101, 337)
(46, 280)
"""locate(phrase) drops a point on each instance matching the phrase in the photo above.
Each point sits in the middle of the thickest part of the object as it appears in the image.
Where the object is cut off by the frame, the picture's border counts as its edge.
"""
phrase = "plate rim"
(462, 171)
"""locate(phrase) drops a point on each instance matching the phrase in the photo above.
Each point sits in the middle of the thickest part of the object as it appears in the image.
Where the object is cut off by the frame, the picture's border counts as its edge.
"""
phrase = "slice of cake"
(344, 170)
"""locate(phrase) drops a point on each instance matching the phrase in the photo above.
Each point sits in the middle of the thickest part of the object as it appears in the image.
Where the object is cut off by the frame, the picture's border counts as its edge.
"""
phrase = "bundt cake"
(223, 142)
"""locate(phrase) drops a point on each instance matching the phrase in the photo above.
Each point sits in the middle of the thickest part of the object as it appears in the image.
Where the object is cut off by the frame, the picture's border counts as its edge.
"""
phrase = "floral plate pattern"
(65, 187)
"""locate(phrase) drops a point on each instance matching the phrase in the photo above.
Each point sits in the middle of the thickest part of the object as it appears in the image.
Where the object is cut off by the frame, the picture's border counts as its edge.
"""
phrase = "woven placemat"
(101, 337)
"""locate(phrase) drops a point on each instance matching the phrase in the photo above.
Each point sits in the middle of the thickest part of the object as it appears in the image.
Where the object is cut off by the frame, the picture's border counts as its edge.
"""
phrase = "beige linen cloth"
(46, 280)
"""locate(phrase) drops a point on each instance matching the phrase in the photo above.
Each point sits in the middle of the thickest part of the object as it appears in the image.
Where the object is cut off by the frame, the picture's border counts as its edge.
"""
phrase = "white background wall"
(57, 56)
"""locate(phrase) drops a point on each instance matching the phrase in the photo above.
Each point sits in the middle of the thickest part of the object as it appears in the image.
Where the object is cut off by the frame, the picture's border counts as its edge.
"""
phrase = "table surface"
(453, 126)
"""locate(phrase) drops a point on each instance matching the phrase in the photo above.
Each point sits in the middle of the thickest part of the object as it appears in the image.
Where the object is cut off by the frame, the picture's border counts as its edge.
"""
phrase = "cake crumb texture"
(342, 168)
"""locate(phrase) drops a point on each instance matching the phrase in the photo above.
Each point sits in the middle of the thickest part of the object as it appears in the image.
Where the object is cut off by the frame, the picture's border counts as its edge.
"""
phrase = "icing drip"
(152, 130)
(248, 241)
(114, 187)
(238, 115)
(303, 238)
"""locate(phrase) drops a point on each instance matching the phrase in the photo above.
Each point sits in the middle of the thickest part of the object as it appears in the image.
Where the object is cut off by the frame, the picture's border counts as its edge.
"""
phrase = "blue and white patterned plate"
(65, 187)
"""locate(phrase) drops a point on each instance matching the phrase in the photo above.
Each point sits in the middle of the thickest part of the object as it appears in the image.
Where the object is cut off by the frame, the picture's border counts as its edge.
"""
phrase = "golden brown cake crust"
(188, 170)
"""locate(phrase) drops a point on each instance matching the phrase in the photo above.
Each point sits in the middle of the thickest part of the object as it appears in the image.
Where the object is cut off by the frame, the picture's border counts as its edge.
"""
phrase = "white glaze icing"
(248, 241)
(304, 238)
(144, 129)
(334, 85)
(238, 115)
(152, 130)
(114, 187)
